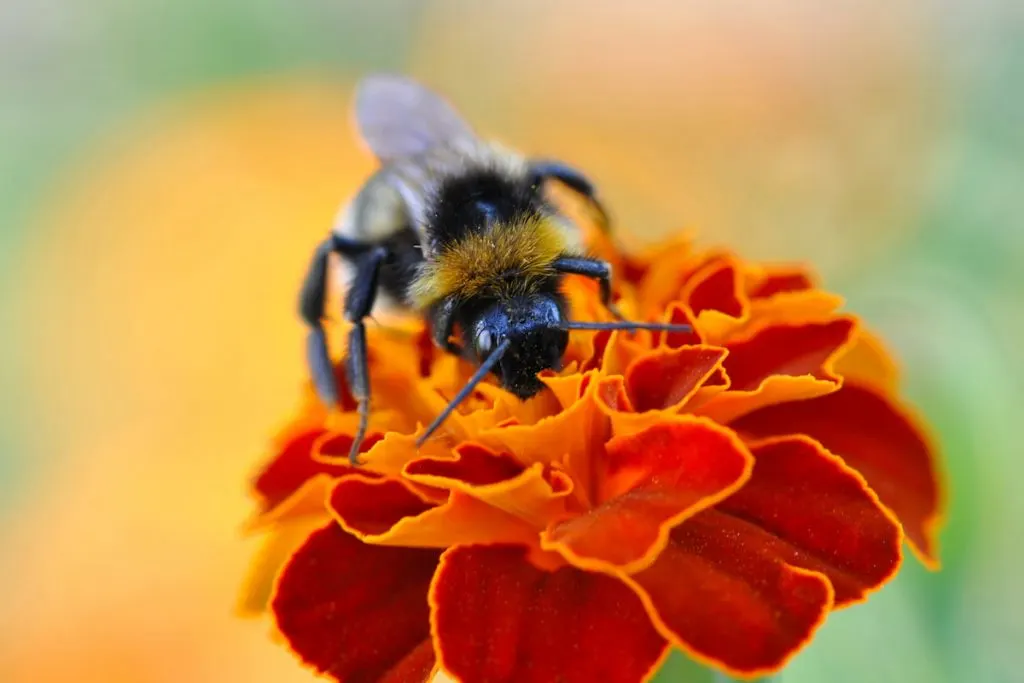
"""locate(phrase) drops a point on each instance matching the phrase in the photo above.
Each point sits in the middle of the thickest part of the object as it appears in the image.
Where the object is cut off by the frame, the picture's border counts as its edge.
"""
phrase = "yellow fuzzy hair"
(506, 260)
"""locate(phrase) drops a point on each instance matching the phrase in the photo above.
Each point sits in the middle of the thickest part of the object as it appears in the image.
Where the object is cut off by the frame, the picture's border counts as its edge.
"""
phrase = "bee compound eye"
(484, 343)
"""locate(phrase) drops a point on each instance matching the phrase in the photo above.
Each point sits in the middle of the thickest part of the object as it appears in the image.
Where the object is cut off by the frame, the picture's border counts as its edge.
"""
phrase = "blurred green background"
(164, 168)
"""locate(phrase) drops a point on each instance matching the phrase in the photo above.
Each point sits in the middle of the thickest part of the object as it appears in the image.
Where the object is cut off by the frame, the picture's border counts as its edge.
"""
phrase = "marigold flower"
(718, 491)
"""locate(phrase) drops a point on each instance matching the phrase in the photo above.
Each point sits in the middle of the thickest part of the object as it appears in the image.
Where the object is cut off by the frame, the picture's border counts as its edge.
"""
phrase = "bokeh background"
(165, 168)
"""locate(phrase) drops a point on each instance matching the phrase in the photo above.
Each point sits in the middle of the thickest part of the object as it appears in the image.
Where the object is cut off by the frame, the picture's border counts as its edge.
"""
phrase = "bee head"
(534, 327)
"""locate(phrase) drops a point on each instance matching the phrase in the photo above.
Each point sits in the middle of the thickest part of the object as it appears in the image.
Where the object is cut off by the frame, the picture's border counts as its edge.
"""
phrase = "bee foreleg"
(594, 269)
(442, 323)
(311, 308)
(543, 169)
(358, 304)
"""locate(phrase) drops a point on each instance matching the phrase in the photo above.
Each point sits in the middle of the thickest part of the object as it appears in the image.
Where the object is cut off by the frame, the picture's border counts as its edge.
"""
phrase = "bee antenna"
(626, 325)
(465, 391)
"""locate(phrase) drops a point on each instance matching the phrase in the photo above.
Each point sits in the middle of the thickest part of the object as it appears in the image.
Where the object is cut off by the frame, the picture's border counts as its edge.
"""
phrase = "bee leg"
(311, 308)
(358, 304)
(594, 269)
(543, 169)
(442, 322)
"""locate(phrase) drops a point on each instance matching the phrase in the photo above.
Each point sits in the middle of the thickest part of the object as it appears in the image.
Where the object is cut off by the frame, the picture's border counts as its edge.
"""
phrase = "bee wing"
(399, 118)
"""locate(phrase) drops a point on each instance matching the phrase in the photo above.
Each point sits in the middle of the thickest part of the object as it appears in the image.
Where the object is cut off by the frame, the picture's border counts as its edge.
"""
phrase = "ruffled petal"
(678, 315)
(293, 465)
(356, 612)
(726, 406)
(652, 481)
(571, 438)
(768, 283)
(820, 515)
(725, 598)
(533, 494)
(496, 617)
(780, 363)
(791, 350)
(294, 484)
(794, 308)
(666, 378)
(867, 362)
(880, 440)
(278, 545)
(716, 287)
(390, 512)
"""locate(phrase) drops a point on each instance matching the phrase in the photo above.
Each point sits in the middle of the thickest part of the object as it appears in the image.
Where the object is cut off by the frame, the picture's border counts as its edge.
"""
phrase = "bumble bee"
(456, 229)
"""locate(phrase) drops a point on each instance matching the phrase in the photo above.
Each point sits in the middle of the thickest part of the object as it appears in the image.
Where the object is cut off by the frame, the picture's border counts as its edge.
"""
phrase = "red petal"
(294, 483)
(333, 451)
(496, 618)
(601, 339)
(370, 507)
(716, 288)
(729, 601)
(290, 468)
(792, 350)
(353, 611)
(666, 378)
(476, 466)
(677, 315)
(415, 667)
(876, 438)
(781, 281)
(653, 480)
(821, 514)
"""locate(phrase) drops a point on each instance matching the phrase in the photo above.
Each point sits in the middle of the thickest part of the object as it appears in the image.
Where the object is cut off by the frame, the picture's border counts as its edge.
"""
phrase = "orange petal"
(353, 611)
(818, 514)
(570, 438)
(497, 618)
(390, 512)
(622, 348)
(726, 406)
(868, 362)
(528, 412)
(794, 308)
(280, 543)
(731, 603)
(651, 482)
(534, 494)
(784, 308)
(880, 440)
(665, 277)
(390, 455)
(565, 389)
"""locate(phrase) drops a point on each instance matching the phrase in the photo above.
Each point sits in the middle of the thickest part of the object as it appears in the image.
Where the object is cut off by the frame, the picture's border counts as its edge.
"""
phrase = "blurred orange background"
(171, 168)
